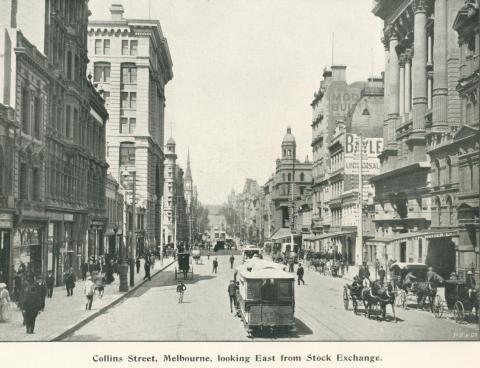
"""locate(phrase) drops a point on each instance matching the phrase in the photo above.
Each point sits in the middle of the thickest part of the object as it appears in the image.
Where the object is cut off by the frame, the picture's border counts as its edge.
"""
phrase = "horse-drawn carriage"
(459, 301)
(184, 266)
(375, 296)
(265, 298)
(411, 285)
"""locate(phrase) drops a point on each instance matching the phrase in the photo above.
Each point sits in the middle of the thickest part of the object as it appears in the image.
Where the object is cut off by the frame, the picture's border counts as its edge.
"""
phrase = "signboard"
(271, 315)
(6, 220)
(372, 147)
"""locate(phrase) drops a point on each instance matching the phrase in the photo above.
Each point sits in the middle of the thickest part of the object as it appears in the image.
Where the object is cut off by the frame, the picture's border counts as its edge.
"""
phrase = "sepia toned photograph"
(239, 171)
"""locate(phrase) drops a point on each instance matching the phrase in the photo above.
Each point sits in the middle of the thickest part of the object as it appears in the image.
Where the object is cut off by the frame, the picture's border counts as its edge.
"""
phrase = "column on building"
(419, 65)
(401, 92)
(408, 82)
(393, 88)
(440, 78)
(386, 84)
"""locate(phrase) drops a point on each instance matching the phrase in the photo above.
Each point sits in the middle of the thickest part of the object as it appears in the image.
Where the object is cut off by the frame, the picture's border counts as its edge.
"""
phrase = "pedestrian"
(342, 268)
(300, 273)
(89, 290)
(50, 284)
(291, 265)
(42, 292)
(4, 302)
(99, 280)
(208, 255)
(137, 264)
(181, 287)
(70, 282)
(215, 265)
(232, 259)
(31, 307)
(470, 283)
(84, 269)
(146, 267)
(17, 286)
(232, 293)
(381, 275)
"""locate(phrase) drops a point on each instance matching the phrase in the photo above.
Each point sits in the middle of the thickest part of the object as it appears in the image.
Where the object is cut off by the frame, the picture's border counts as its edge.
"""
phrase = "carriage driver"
(409, 280)
(470, 282)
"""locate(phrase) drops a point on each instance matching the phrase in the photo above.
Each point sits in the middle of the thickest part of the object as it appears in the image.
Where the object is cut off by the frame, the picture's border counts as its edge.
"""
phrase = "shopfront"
(6, 224)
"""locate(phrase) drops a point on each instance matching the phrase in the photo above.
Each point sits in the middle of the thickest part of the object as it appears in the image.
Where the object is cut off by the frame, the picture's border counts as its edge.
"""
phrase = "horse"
(369, 298)
(385, 295)
(423, 291)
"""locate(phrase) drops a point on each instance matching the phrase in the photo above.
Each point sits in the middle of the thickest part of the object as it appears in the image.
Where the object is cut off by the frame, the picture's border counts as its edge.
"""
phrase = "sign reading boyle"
(372, 147)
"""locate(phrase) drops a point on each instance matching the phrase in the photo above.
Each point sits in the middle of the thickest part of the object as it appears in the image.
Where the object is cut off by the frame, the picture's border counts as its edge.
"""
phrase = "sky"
(245, 70)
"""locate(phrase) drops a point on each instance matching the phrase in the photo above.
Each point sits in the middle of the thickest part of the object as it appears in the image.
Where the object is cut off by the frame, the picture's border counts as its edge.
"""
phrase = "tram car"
(265, 297)
(249, 251)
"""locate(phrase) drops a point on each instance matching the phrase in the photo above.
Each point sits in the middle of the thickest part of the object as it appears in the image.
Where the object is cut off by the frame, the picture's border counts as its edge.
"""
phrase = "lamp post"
(123, 266)
(133, 246)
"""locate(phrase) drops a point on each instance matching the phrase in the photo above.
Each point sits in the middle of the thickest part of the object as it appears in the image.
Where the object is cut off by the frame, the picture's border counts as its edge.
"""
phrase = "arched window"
(302, 177)
(437, 172)
(289, 177)
(448, 162)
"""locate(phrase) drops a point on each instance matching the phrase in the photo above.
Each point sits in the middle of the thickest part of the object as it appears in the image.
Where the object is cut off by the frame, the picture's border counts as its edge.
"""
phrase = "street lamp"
(133, 246)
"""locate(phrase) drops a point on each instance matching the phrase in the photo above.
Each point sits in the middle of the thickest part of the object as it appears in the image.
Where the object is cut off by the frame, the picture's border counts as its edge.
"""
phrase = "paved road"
(152, 313)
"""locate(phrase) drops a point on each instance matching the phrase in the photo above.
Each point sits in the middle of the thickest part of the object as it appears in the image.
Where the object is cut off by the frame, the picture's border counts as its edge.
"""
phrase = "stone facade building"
(331, 103)
(59, 167)
(130, 63)
(418, 192)
(168, 220)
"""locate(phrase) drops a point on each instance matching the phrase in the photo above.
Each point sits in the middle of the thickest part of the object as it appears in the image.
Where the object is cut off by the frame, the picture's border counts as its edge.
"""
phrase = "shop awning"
(414, 235)
(283, 233)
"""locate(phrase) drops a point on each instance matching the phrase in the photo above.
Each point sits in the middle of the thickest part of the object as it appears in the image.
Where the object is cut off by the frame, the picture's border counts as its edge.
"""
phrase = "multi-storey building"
(168, 223)
(59, 163)
(331, 103)
(422, 65)
(180, 210)
(8, 131)
(115, 217)
(289, 170)
(131, 64)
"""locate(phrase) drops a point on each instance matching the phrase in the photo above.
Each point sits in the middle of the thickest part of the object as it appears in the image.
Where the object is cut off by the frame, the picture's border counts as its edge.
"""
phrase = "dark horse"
(423, 291)
(381, 295)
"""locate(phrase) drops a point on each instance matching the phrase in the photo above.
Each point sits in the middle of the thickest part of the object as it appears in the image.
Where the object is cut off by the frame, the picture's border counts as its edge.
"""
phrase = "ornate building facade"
(131, 64)
(418, 190)
(168, 220)
(59, 166)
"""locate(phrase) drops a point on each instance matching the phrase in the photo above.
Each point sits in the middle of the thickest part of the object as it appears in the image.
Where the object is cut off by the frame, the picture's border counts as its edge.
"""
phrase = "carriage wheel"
(438, 307)
(176, 273)
(459, 312)
(345, 298)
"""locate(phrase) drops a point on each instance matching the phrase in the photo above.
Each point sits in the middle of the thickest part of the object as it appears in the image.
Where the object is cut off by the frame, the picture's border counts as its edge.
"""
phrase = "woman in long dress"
(4, 302)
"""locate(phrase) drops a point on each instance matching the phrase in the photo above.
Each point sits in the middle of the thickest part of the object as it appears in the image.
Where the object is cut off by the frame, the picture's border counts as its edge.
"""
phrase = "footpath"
(63, 315)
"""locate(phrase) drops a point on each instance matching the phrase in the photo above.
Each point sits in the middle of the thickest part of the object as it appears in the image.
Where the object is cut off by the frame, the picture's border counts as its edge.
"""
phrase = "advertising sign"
(372, 147)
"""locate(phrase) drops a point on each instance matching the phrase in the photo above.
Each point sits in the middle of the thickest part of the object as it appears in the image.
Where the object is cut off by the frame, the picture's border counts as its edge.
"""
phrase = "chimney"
(338, 72)
(116, 11)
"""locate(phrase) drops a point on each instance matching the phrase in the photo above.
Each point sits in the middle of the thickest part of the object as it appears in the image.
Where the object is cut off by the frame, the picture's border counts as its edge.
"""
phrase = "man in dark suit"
(50, 284)
(300, 273)
(31, 307)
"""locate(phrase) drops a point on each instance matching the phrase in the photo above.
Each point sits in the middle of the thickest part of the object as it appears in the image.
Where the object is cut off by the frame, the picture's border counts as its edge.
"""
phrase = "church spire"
(188, 172)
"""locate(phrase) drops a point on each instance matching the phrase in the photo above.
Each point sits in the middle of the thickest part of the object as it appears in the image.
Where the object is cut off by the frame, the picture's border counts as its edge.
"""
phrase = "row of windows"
(129, 47)
(289, 177)
(102, 70)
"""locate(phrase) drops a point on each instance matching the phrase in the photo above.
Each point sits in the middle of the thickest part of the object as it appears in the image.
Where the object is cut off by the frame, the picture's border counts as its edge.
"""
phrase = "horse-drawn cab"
(184, 266)
(265, 297)
(402, 275)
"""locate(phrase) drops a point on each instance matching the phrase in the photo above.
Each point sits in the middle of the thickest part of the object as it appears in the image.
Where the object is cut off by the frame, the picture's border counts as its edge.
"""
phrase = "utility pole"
(360, 251)
(133, 248)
